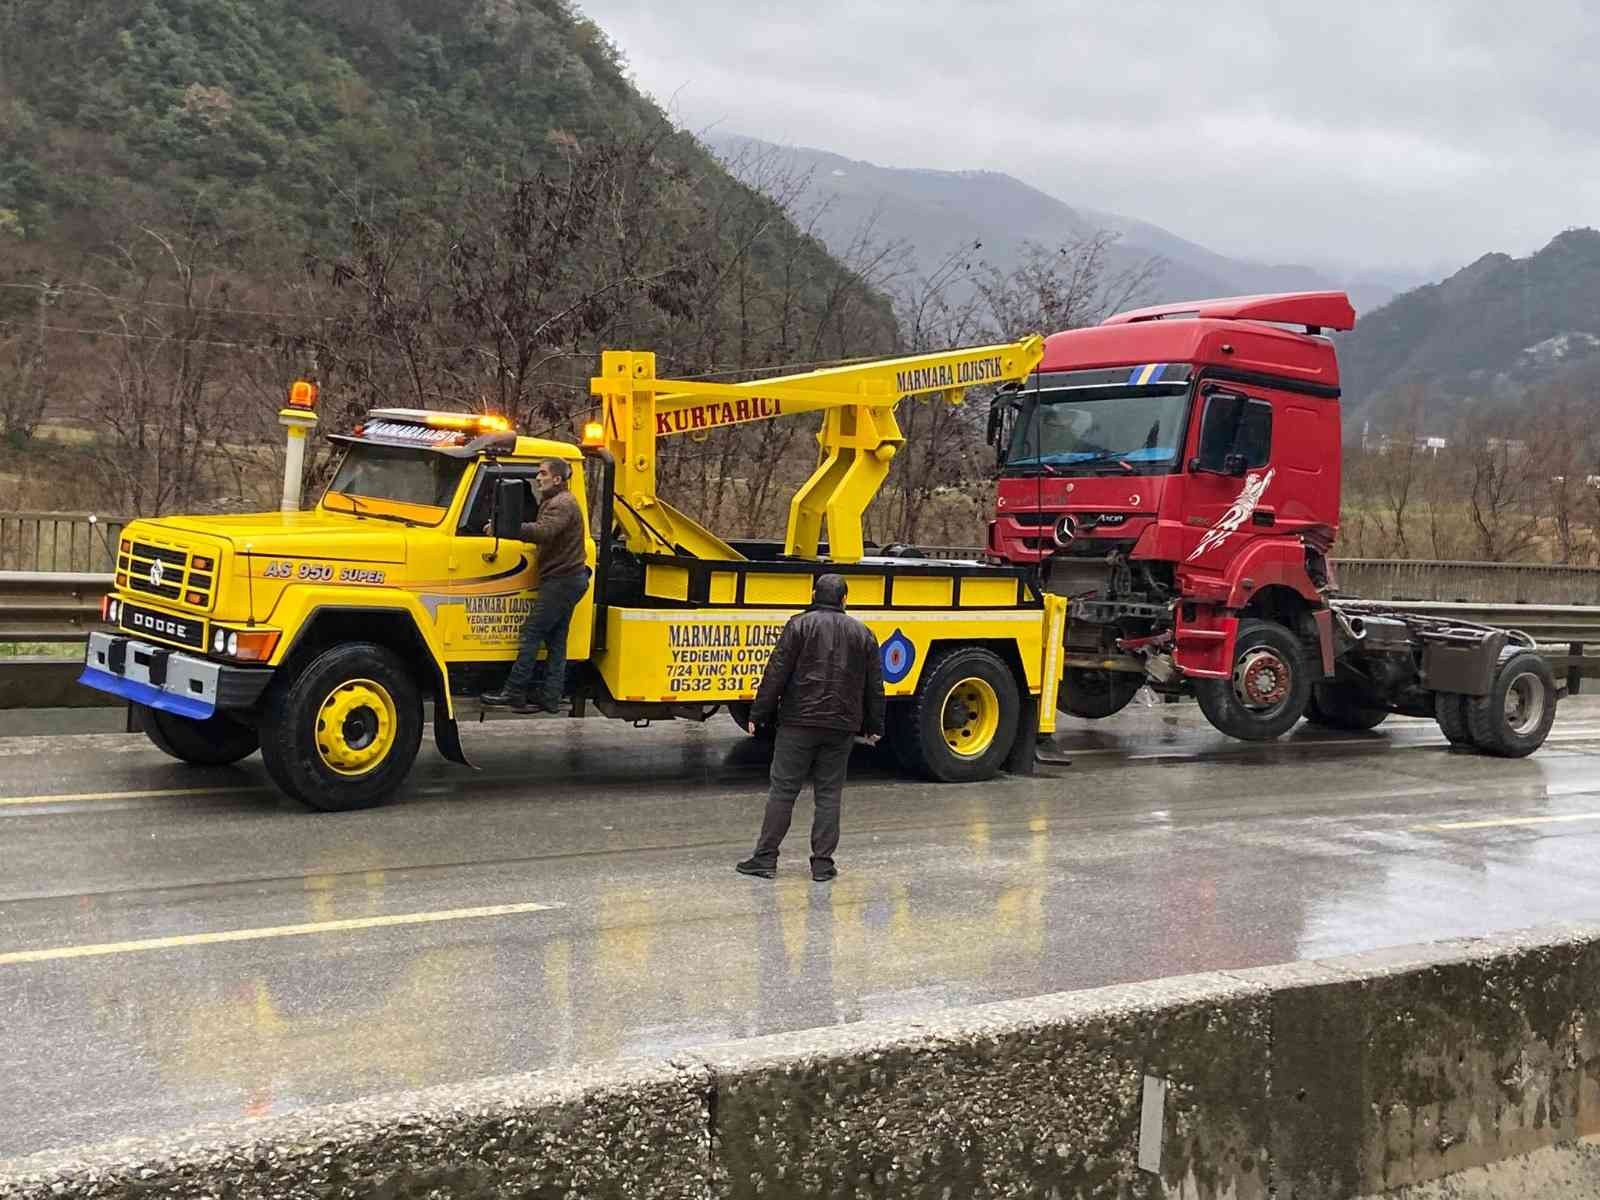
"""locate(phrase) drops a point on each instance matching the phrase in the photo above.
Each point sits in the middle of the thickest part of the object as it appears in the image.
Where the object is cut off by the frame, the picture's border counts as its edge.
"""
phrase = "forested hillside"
(444, 202)
(1487, 337)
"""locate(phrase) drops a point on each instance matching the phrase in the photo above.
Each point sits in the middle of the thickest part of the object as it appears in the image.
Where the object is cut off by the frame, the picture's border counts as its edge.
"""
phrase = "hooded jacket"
(826, 672)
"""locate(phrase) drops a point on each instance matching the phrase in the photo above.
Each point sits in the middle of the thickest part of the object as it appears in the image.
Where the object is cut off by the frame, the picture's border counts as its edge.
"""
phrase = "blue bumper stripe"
(144, 693)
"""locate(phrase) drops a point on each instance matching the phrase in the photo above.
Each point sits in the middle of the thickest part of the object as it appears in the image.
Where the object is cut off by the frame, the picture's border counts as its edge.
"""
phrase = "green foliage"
(308, 101)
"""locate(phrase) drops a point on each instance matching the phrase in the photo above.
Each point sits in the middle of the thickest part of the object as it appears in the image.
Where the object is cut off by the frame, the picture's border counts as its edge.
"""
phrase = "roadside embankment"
(1463, 1061)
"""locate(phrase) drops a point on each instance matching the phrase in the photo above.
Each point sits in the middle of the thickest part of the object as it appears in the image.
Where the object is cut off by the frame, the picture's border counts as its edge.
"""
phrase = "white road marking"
(274, 931)
(1497, 822)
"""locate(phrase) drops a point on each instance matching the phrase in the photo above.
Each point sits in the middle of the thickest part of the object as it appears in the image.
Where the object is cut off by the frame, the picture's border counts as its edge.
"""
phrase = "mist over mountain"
(938, 212)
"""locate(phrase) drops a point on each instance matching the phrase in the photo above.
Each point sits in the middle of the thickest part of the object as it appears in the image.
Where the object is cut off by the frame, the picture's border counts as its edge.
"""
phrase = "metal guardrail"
(50, 606)
(60, 606)
(59, 541)
(1468, 582)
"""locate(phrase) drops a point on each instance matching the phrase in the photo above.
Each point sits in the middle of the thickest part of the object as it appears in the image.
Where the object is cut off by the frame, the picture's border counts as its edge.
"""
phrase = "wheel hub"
(356, 727)
(971, 717)
(1524, 707)
(1261, 679)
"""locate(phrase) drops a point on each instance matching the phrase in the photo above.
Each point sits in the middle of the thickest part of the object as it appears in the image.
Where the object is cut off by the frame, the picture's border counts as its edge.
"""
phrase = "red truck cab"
(1180, 466)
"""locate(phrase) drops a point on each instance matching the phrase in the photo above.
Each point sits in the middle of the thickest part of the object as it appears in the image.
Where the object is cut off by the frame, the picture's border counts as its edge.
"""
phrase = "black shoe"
(542, 706)
(751, 867)
(503, 699)
(824, 874)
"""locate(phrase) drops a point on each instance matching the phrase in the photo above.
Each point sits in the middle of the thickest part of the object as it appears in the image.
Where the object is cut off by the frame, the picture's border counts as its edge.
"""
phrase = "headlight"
(114, 610)
(219, 642)
(233, 644)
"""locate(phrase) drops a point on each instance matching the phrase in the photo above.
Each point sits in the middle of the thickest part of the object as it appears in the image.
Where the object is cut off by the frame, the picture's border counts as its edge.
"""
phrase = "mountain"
(937, 212)
(1490, 333)
(452, 202)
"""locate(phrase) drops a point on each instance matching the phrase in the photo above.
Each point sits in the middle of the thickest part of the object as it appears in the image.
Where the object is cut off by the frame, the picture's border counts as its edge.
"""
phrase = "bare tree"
(163, 398)
(29, 375)
(1063, 287)
(1502, 484)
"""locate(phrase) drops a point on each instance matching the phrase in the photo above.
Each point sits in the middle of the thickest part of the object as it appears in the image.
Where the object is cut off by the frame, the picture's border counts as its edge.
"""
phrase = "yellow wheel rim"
(356, 727)
(971, 717)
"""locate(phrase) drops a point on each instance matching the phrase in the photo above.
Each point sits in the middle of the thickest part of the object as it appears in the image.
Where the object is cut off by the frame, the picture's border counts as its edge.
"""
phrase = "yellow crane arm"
(859, 435)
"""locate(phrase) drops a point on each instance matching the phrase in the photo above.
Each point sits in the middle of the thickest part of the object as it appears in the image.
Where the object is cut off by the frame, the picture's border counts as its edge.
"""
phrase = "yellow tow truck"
(319, 636)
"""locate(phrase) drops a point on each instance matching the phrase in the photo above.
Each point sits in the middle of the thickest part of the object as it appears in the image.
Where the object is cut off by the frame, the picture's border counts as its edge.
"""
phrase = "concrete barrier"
(1364, 1075)
(34, 682)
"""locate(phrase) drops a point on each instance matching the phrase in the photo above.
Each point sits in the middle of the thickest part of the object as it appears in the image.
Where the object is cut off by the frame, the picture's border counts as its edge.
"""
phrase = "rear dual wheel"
(1513, 719)
(1344, 705)
(962, 723)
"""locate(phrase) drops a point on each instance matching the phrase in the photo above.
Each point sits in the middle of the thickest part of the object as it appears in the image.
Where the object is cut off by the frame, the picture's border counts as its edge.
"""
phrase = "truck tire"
(1269, 689)
(342, 733)
(214, 742)
(963, 719)
(1341, 705)
(1450, 710)
(1513, 720)
(1095, 695)
(900, 735)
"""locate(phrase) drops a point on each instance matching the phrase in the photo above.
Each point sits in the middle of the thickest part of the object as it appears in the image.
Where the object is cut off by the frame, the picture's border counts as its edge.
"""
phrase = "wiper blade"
(361, 511)
(1119, 457)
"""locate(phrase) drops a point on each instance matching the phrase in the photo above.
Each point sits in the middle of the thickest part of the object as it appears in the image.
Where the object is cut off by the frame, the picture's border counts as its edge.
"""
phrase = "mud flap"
(447, 737)
(1023, 751)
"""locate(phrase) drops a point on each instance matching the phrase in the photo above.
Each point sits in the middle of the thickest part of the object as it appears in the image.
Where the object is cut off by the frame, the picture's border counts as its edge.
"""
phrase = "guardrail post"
(1574, 670)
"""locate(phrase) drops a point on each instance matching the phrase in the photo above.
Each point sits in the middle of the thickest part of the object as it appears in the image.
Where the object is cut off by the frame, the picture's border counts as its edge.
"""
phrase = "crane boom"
(859, 435)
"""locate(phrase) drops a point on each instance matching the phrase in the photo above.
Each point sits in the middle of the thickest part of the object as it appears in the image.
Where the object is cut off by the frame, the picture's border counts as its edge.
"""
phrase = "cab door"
(491, 583)
(1231, 478)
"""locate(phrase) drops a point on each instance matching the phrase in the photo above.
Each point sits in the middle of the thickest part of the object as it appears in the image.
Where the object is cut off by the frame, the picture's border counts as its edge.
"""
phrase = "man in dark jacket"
(557, 531)
(823, 685)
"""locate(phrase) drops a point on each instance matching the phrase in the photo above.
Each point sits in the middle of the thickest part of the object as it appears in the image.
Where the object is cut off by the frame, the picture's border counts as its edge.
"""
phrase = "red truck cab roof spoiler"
(1316, 311)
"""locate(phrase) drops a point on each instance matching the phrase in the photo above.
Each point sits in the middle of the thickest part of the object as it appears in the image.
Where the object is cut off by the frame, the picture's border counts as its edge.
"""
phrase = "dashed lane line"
(1498, 822)
(273, 931)
(151, 794)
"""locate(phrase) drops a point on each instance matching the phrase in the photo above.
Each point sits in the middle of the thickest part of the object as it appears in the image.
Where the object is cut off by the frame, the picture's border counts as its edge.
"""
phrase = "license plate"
(186, 631)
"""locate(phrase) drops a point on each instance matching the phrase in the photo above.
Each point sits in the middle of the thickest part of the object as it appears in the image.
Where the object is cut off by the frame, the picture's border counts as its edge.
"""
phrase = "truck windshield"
(1099, 430)
(396, 482)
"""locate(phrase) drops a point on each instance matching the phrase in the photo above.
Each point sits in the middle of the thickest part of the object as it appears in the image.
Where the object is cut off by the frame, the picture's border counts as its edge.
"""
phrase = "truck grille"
(170, 572)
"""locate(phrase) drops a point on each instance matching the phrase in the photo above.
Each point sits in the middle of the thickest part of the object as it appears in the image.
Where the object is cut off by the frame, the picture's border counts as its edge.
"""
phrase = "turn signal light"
(255, 646)
(247, 645)
(202, 564)
(302, 394)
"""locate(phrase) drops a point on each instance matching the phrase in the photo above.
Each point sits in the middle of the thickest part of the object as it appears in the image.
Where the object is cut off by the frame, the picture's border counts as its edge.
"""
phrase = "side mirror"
(998, 433)
(509, 495)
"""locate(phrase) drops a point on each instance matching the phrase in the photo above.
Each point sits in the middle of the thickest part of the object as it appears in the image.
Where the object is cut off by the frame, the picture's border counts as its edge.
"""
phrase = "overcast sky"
(1419, 134)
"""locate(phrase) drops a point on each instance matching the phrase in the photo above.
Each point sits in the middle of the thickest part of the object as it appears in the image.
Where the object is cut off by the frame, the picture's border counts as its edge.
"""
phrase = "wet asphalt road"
(362, 959)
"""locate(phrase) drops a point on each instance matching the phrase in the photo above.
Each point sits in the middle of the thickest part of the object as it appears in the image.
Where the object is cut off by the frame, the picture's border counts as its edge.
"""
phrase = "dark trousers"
(546, 624)
(820, 755)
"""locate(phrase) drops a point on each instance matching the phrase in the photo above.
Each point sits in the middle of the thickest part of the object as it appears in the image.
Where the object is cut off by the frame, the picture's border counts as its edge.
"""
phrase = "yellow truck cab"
(320, 636)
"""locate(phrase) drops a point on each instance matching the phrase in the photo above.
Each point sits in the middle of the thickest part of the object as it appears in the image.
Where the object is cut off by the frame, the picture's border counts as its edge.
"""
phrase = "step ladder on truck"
(318, 636)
